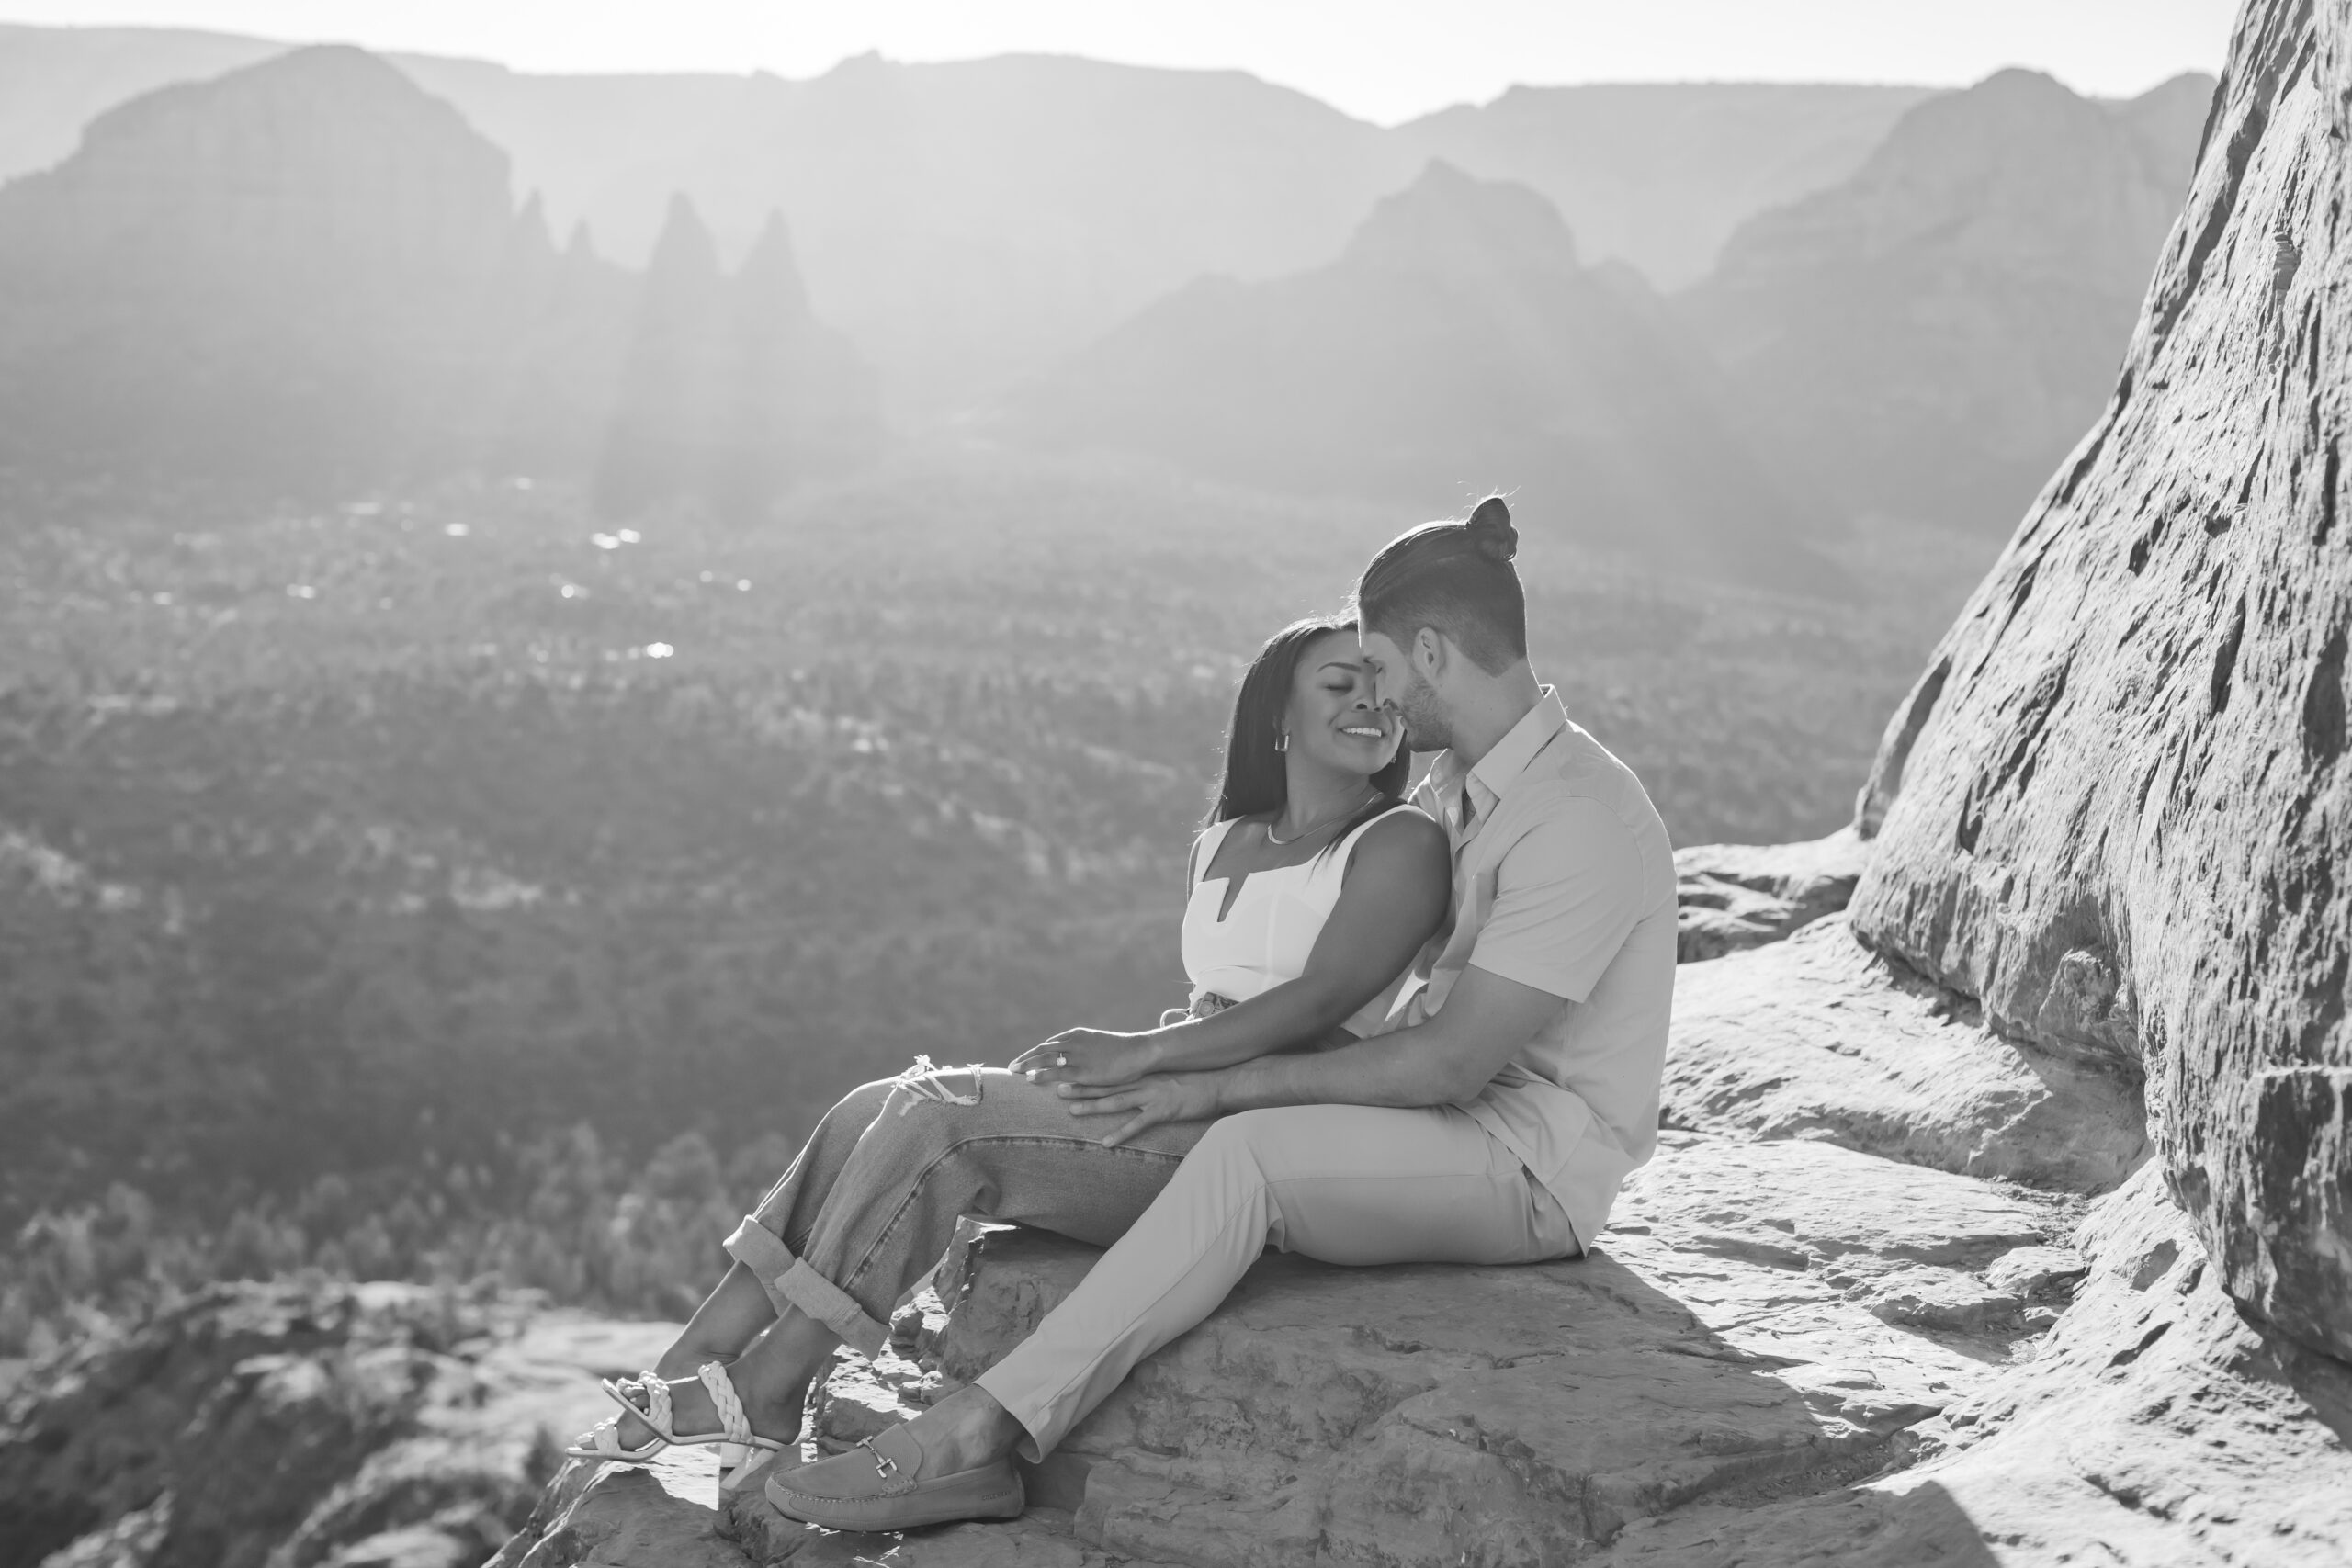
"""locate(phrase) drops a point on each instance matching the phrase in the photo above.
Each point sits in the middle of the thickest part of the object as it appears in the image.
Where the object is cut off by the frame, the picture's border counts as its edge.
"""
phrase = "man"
(1491, 1122)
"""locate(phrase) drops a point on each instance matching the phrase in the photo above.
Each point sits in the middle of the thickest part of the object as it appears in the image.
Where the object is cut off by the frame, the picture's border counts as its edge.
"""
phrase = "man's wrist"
(1235, 1085)
(1219, 1082)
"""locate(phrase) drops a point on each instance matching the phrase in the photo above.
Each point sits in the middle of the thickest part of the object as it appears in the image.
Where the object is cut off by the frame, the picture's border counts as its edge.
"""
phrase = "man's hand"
(1090, 1057)
(1161, 1096)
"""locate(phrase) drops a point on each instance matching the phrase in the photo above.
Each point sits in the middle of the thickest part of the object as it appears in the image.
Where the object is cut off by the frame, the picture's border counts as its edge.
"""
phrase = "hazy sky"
(1383, 60)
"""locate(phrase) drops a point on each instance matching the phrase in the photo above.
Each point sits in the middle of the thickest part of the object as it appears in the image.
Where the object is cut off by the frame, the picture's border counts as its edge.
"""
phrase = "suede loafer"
(872, 1487)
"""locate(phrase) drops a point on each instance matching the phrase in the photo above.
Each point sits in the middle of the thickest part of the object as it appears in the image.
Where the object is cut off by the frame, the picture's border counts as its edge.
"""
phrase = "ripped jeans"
(872, 1202)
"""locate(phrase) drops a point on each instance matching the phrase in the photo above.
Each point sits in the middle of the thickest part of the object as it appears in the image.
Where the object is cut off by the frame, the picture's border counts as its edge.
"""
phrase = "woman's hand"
(1161, 1096)
(1089, 1058)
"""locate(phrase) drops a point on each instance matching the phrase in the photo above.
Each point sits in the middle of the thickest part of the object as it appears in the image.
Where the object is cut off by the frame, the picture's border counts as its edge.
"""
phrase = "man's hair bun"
(1455, 578)
(1489, 530)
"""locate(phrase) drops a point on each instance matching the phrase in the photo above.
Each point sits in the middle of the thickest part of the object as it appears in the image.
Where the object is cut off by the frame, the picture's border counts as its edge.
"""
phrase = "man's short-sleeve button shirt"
(1564, 881)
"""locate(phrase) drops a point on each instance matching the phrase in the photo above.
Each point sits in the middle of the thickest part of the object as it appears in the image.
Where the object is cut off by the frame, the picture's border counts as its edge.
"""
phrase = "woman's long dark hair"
(1254, 780)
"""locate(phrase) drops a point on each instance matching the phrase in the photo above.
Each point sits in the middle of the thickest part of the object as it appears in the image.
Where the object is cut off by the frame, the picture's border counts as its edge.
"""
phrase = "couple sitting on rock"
(1423, 1031)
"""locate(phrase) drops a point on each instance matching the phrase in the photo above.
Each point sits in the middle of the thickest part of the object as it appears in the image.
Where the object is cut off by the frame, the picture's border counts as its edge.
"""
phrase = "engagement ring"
(1061, 1059)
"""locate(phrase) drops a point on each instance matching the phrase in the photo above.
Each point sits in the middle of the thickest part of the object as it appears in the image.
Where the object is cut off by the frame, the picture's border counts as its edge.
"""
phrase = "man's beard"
(1418, 709)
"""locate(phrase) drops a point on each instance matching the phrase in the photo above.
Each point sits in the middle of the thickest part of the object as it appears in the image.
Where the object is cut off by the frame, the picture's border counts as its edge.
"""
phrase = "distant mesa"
(55, 80)
(1658, 174)
(279, 266)
(310, 270)
(1456, 342)
(1928, 339)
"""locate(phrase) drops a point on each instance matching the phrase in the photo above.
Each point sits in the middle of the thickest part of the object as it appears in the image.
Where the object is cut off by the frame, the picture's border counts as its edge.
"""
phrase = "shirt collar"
(1500, 767)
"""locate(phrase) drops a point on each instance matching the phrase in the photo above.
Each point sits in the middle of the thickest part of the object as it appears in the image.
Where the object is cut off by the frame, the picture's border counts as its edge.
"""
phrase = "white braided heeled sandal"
(734, 1437)
(604, 1439)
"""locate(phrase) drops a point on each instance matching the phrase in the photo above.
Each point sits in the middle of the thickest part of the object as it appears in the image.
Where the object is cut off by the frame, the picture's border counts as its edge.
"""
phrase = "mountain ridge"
(918, 192)
(1457, 338)
(1927, 339)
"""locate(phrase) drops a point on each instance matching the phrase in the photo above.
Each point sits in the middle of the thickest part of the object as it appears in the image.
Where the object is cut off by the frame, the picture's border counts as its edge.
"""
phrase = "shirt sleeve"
(1567, 894)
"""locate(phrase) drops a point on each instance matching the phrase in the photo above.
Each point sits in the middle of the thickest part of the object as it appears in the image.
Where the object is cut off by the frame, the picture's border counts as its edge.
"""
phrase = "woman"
(1309, 895)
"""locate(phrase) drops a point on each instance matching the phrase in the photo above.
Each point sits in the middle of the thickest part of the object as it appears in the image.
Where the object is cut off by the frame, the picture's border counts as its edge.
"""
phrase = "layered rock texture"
(2117, 808)
(1732, 897)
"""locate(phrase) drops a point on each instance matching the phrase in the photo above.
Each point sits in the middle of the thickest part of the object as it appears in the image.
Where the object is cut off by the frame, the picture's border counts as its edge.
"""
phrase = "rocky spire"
(665, 433)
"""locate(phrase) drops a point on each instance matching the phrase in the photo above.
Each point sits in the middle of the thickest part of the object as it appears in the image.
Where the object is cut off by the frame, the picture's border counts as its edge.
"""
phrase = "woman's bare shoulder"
(1406, 837)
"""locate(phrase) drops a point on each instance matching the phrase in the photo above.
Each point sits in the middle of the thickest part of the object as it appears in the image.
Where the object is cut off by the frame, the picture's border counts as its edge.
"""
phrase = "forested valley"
(451, 883)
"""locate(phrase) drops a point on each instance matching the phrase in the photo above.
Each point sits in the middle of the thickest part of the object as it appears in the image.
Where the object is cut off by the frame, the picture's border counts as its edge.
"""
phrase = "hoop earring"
(1282, 739)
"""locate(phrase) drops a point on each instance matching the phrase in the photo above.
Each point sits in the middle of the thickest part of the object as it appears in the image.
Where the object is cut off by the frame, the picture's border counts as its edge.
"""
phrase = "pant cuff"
(790, 1283)
(1040, 1432)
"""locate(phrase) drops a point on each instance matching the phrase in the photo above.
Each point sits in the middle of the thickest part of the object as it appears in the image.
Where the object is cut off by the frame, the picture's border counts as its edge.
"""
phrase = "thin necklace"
(1356, 804)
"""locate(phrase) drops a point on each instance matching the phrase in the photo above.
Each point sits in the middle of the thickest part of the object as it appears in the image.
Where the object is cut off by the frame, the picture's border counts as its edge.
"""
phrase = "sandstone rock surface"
(2154, 1428)
(1733, 897)
(1815, 1037)
(2118, 807)
(1787, 1352)
(665, 1512)
(1768, 1317)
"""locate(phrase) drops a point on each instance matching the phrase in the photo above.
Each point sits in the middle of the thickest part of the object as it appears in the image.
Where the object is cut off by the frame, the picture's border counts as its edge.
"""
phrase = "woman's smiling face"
(1332, 717)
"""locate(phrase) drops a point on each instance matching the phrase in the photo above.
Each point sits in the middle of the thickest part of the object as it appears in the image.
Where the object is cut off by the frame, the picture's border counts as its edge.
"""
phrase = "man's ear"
(1430, 652)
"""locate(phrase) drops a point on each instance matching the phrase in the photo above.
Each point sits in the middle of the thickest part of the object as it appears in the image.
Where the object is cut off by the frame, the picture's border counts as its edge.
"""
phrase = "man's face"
(1403, 691)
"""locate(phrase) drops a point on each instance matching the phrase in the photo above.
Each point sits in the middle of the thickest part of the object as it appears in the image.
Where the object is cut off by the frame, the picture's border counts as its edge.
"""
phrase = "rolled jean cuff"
(790, 1282)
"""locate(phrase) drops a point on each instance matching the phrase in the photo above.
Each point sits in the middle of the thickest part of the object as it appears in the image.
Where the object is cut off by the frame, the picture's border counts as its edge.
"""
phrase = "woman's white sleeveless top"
(1266, 937)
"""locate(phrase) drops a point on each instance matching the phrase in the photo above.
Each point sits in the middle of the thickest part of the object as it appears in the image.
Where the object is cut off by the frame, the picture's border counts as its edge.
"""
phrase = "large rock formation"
(2117, 808)
(1457, 336)
(1925, 340)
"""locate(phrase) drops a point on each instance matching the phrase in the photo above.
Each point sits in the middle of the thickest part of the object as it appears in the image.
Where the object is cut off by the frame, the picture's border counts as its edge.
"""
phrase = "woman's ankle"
(685, 1358)
(779, 1417)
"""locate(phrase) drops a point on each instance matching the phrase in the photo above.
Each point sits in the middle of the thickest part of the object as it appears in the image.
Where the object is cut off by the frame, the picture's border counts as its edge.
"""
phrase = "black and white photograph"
(1117, 784)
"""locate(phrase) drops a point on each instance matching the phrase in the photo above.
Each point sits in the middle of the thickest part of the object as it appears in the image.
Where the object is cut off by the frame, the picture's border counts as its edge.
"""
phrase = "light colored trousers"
(1348, 1184)
(873, 1200)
